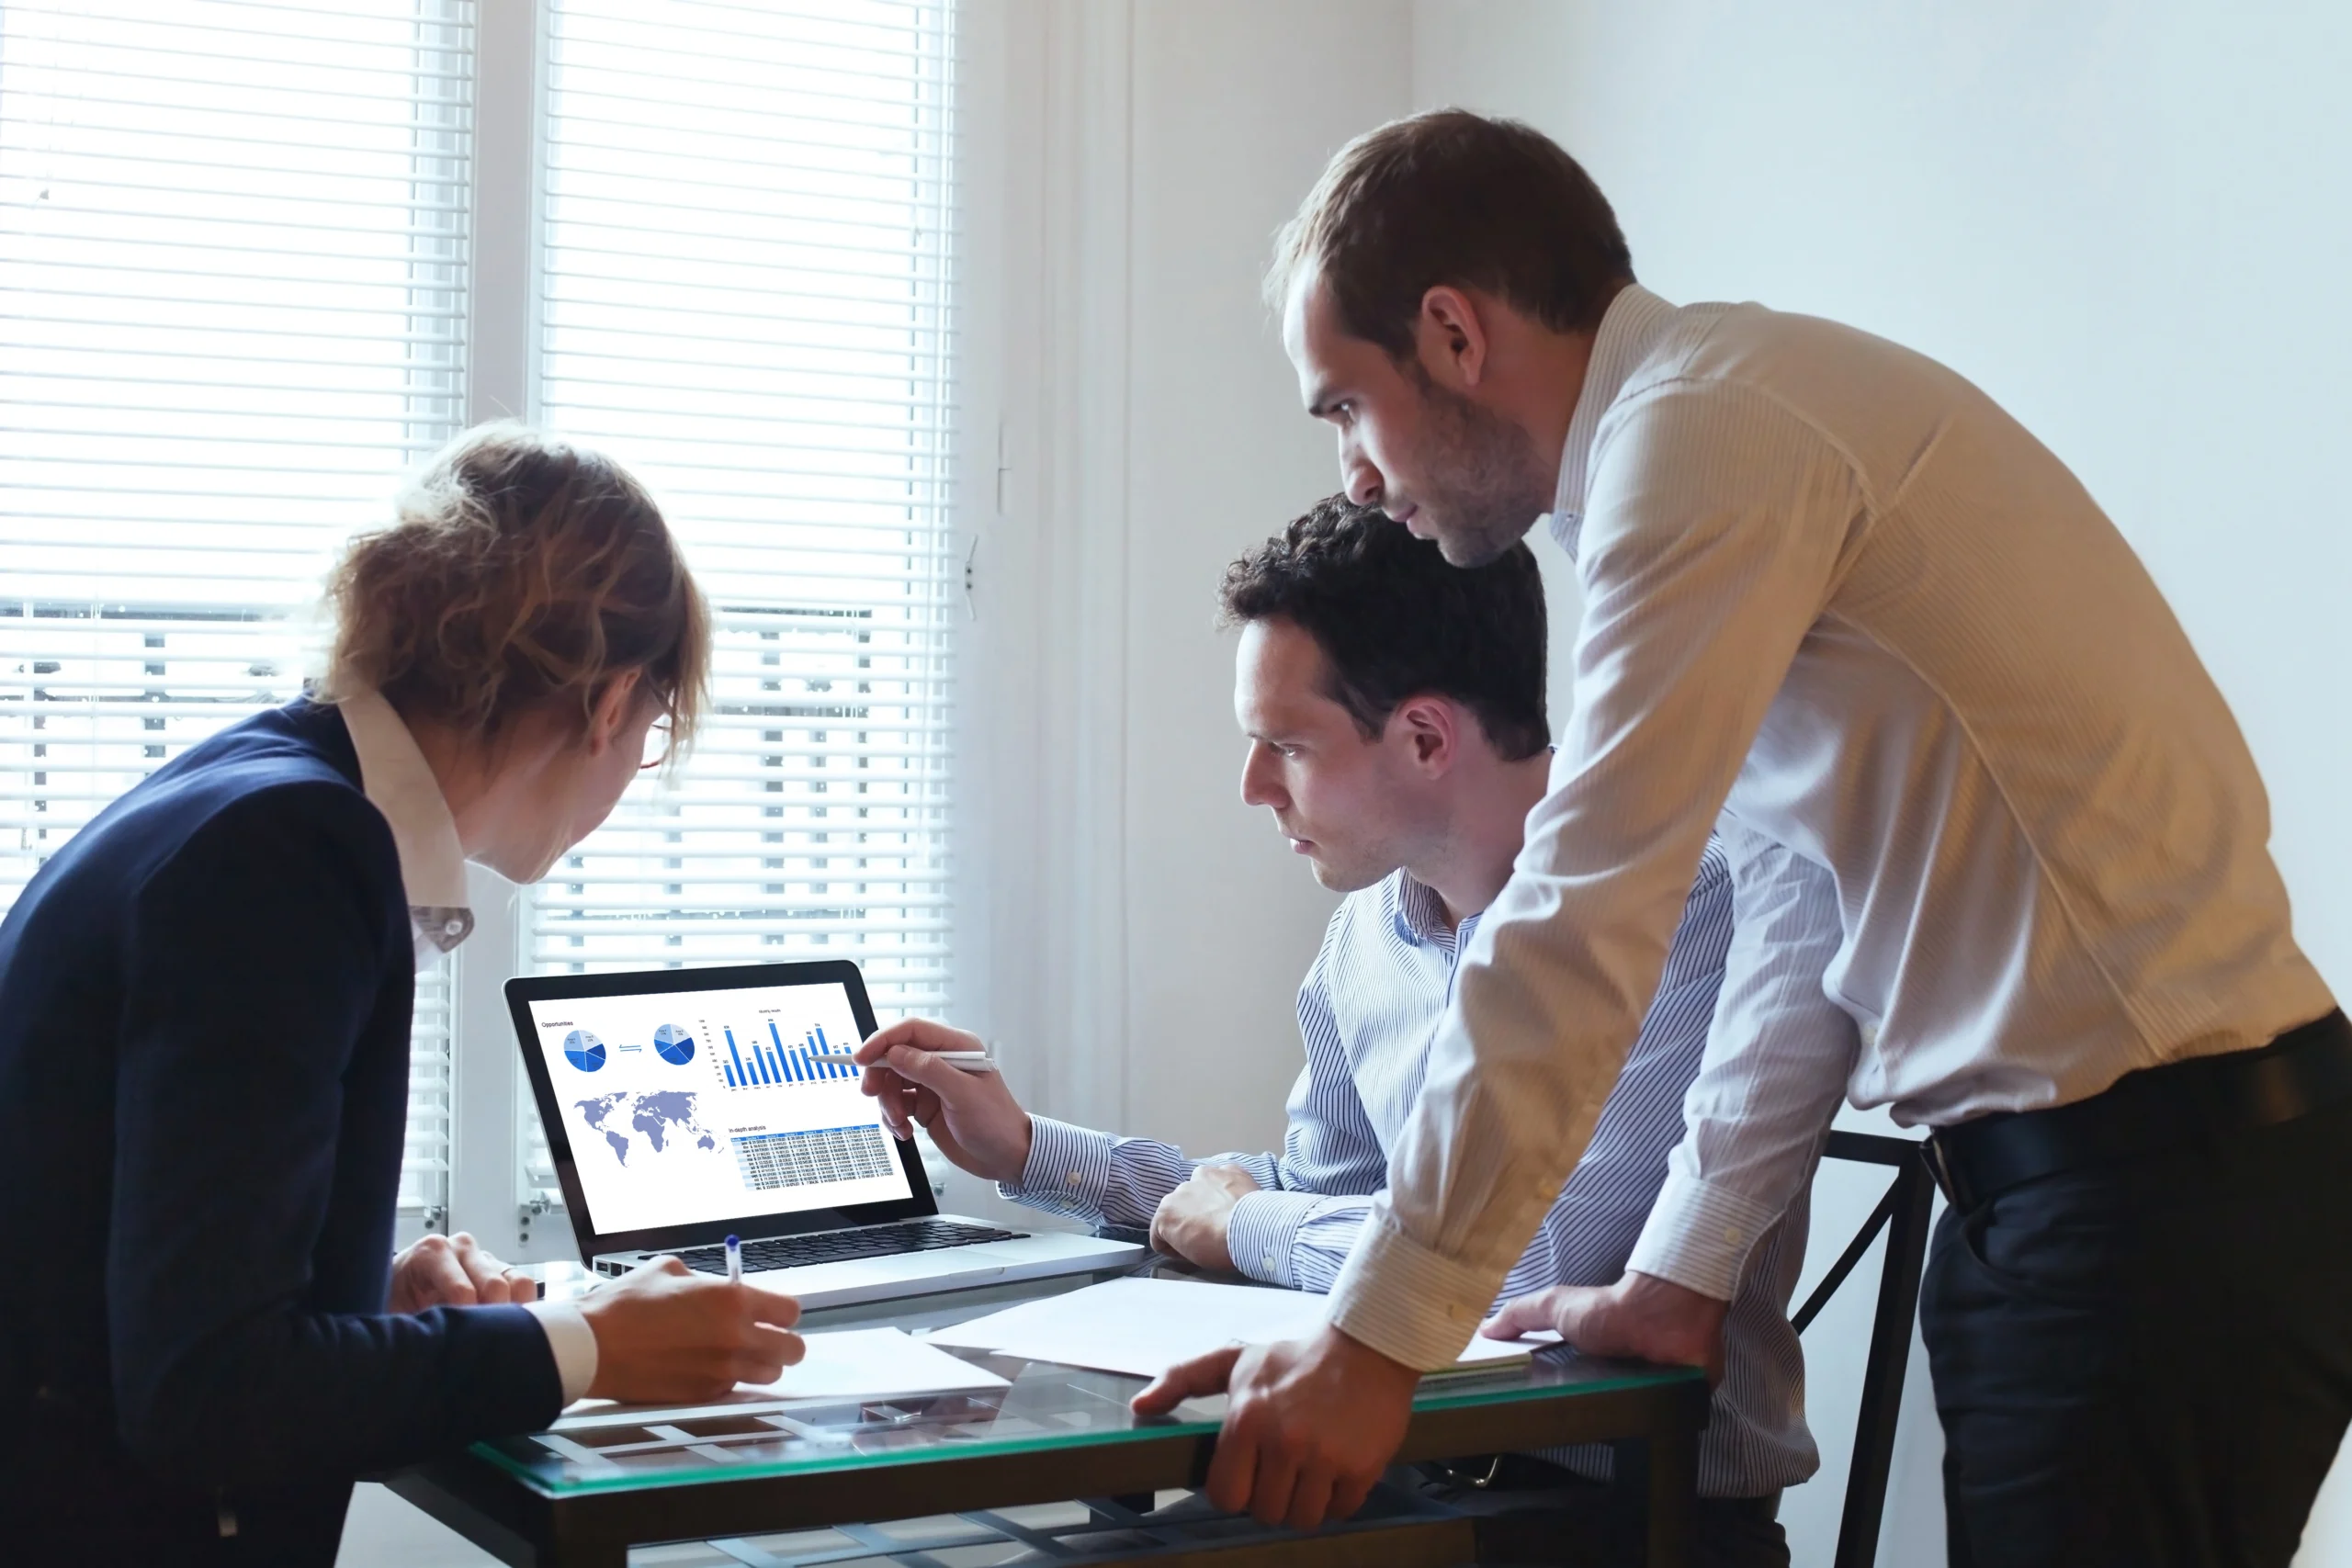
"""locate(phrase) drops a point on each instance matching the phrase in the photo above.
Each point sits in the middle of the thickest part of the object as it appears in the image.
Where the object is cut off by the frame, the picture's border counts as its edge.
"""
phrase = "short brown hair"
(1395, 620)
(524, 573)
(1453, 197)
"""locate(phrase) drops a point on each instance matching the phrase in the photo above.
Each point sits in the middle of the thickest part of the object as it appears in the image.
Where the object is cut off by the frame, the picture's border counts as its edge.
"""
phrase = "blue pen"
(734, 1260)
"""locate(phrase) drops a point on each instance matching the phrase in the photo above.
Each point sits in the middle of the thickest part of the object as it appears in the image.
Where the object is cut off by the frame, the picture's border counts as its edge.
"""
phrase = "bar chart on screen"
(753, 1062)
(684, 1106)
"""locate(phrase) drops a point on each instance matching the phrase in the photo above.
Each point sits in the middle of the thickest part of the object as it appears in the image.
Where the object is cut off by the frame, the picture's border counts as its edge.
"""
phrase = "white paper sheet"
(854, 1363)
(1144, 1327)
(867, 1363)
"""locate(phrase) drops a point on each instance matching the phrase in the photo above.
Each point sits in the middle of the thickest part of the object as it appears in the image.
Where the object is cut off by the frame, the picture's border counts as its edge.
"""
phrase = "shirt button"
(451, 928)
(1071, 1180)
(1268, 1261)
(1734, 1234)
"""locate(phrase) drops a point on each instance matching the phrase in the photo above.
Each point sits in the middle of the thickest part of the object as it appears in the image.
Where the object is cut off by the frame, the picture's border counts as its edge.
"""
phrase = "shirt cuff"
(1262, 1231)
(1415, 1306)
(573, 1342)
(1068, 1168)
(1699, 1236)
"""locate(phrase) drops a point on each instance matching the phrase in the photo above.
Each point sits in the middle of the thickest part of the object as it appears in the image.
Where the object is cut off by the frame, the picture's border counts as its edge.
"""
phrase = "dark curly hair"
(1394, 621)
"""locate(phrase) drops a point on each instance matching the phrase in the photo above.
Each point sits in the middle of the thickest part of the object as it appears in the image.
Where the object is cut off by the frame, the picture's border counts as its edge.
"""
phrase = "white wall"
(2125, 219)
(1237, 105)
(1140, 934)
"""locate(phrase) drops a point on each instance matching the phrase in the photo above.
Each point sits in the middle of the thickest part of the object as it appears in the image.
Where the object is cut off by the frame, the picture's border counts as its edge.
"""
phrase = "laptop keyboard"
(836, 1247)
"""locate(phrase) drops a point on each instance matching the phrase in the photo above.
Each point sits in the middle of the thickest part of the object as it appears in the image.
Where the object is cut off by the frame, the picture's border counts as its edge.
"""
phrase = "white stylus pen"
(734, 1260)
(963, 1061)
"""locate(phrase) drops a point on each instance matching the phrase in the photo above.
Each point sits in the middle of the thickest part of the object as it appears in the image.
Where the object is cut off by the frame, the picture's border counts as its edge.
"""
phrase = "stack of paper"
(858, 1363)
(1144, 1327)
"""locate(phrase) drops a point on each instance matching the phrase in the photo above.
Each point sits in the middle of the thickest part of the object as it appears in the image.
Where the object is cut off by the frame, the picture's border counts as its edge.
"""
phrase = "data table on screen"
(774, 1160)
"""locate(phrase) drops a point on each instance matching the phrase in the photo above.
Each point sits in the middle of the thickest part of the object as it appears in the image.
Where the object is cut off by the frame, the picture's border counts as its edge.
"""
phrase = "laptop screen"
(689, 1107)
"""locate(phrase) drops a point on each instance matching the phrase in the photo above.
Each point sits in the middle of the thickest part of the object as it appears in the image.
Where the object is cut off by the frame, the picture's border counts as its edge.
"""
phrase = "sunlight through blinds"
(748, 258)
(233, 280)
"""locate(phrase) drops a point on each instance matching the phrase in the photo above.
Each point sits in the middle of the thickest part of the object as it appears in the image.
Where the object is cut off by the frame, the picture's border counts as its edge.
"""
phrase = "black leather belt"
(2148, 1113)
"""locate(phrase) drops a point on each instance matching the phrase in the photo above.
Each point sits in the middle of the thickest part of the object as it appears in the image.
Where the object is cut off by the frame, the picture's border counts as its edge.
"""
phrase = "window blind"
(233, 279)
(748, 253)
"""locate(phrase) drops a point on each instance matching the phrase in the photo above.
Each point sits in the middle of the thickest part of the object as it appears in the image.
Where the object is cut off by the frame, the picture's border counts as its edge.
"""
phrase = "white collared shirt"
(1979, 794)
(400, 783)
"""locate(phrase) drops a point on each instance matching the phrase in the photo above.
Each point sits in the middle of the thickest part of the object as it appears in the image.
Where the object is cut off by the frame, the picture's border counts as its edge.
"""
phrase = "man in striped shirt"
(1395, 716)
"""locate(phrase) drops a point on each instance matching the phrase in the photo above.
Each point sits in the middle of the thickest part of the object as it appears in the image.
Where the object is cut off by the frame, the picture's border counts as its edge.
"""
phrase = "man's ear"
(1451, 338)
(1431, 726)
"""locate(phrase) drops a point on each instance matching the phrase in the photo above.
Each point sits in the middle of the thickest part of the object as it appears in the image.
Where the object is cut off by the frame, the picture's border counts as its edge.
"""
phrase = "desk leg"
(1663, 1473)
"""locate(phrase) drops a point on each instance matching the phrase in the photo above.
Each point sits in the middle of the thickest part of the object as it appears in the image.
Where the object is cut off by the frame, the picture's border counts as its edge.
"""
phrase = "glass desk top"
(1046, 1406)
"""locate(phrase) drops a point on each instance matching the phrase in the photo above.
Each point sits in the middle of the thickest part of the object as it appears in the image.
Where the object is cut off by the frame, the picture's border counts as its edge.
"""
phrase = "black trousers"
(2148, 1364)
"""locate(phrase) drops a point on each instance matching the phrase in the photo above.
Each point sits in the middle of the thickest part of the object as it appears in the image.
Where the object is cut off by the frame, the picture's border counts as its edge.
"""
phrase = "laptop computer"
(684, 1106)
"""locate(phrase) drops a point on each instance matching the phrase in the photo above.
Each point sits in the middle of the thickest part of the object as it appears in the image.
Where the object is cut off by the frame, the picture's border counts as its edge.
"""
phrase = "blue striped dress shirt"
(1368, 1011)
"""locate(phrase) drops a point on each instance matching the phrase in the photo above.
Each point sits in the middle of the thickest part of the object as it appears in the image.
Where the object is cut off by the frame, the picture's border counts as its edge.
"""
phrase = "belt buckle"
(1947, 1178)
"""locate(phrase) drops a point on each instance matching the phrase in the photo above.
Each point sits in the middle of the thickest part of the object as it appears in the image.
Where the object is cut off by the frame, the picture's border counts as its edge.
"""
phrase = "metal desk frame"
(1654, 1429)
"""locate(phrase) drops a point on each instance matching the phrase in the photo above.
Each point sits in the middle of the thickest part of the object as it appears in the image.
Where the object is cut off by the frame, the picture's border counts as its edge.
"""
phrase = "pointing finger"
(920, 1033)
(877, 1046)
(924, 1068)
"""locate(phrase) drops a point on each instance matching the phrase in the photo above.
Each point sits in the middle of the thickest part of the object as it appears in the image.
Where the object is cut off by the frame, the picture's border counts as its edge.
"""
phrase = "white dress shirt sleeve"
(1778, 1060)
(1090, 1175)
(1716, 526)
(1296, 1229)
(572, 1342)
(1297, 1240)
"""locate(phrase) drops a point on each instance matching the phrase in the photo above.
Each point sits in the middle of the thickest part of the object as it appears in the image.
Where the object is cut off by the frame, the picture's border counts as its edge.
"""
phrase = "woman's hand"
(971, 1116)
(456, 1271)
(665, 1334)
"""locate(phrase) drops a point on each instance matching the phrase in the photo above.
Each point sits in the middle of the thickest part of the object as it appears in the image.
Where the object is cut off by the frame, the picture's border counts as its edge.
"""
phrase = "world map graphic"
(664, 1119)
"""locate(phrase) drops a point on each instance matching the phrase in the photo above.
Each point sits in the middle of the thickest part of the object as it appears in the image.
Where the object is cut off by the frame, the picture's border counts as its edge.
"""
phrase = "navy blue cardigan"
(204, 1046)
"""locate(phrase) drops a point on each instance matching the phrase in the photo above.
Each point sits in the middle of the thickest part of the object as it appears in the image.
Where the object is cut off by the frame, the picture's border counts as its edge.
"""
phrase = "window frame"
(491, 1099)
(108, 639)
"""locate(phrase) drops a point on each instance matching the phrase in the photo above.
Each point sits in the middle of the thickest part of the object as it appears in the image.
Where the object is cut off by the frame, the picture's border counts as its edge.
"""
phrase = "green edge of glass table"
(582, 1497)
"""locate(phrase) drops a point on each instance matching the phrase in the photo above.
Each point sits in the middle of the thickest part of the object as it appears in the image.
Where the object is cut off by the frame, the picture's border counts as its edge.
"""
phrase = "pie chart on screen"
(674, 1044)
(584, 1050)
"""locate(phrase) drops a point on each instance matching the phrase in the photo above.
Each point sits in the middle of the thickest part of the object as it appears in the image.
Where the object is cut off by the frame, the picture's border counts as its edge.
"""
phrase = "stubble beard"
(1486, 487)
